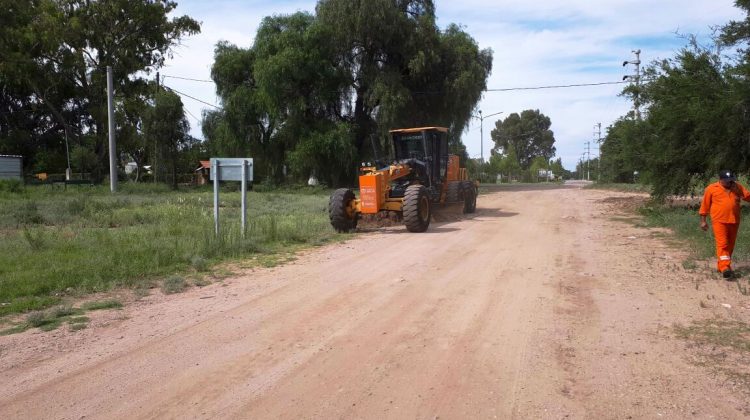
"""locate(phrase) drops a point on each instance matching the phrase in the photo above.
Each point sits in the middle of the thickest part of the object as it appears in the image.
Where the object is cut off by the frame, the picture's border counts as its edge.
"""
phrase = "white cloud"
(537, 43)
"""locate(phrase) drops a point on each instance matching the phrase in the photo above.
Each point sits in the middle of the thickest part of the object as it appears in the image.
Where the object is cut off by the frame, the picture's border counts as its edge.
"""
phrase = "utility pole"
(588, 160)
(112, 154)
(153, 161)
(68, 171)
(598, 133)
(637, 79)
(583, 172)
(481, 130)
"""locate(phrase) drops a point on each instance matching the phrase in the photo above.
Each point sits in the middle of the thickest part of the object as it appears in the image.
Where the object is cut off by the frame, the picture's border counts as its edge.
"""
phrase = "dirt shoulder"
(544, 304)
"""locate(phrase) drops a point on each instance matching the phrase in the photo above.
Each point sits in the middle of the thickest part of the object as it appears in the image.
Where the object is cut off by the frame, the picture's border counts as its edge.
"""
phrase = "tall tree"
(340, 79)
(166, 128)
(60, 49)
(528, 133)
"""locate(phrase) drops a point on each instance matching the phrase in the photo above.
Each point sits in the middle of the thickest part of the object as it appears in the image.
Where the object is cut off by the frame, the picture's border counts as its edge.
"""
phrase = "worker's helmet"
(727, 174)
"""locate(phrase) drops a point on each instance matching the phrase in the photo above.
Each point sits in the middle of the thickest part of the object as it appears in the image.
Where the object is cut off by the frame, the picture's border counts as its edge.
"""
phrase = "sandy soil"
(544, 304)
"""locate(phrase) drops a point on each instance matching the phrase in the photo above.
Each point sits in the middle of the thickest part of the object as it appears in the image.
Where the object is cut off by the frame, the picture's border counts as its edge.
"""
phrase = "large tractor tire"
(470, 196)
(454, 192)
(417, 211)
(341, 210)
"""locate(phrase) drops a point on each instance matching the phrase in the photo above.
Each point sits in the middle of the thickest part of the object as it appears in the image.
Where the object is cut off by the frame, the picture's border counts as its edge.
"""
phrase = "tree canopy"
(53, 78)
(697, 117)
(528, 135)
(315, 91)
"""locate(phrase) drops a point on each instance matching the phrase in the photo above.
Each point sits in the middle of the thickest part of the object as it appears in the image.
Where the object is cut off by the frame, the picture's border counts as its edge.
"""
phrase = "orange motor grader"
(422, 175)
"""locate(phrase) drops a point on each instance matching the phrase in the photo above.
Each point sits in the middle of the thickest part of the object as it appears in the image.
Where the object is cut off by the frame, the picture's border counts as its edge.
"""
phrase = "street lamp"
(481, 130)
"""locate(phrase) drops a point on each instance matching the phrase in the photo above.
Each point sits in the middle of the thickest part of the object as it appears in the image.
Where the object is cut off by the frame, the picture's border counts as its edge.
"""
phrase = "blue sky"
(539, 43)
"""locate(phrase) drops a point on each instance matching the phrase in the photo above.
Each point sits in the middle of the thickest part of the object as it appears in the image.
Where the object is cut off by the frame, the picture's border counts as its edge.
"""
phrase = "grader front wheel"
(341, 210)
(417, 210)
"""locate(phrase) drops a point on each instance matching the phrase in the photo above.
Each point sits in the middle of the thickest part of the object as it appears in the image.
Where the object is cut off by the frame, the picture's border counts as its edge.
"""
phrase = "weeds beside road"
(681, 216)
(56, 243)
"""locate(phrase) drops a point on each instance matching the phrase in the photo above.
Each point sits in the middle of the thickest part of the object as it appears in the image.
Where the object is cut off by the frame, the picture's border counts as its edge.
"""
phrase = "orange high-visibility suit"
(723, 205)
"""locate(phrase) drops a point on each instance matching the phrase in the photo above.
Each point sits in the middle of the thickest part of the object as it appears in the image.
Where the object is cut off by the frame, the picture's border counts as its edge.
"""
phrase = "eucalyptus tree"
(529, 135)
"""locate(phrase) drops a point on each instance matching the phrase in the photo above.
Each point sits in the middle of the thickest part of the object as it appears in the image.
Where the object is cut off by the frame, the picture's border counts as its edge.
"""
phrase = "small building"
(203, 173)
(11, 167)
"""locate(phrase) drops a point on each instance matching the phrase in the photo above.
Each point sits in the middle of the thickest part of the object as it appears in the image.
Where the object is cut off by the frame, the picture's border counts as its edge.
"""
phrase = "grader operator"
(423, 175)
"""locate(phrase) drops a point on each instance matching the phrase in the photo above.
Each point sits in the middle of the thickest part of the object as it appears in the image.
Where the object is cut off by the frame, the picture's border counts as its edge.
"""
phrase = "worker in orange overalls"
(721, 200)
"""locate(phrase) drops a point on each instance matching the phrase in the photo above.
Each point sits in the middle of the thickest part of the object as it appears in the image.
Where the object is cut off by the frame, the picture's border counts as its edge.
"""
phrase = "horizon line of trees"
(524, 148)
(314, 94)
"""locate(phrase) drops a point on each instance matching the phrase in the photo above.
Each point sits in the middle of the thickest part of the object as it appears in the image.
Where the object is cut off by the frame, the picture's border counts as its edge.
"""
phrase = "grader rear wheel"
(470, 196)
(341, 210)
(454, 192)
(417, 211)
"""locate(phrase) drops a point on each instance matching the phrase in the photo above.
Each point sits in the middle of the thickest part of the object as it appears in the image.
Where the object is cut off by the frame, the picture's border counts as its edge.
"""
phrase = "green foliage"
(93, 241)
(102, 304)
(315, 91)
(53, 82)
(173, 284)
(528, 135)
(27, 213)
(14, 186)
(697, 117)
(166, 128)
(506, 164)
(330, 153)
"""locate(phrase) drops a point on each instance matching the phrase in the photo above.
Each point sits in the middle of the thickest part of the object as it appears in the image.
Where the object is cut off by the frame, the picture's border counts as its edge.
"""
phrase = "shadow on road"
(491, 188)
(396, 230)
(491, 213)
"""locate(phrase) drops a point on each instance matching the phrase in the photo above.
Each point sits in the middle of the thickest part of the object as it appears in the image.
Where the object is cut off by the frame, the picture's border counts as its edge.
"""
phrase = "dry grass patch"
(722, 346)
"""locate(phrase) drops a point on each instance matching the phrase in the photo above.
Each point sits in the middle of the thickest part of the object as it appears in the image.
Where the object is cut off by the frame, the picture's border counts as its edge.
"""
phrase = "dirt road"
(542, 305)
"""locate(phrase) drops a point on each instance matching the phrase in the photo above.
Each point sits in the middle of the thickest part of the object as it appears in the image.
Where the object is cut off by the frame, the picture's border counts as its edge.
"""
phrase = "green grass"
(102, 304)
(640, 188)
(721, 345)
(56, 243)
(173, 284)
(685, 223)
(48, 320)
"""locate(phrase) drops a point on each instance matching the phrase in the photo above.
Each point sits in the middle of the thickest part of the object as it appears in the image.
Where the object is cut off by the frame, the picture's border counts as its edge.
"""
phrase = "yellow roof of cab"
(418, 129)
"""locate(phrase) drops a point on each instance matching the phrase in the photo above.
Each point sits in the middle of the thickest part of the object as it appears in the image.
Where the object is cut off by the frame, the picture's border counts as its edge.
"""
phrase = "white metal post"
(112, 154)
(244, 196)
(216, 196)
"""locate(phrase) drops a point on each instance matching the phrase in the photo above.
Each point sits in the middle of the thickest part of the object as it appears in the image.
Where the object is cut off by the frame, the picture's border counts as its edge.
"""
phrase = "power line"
(556, 86)
(194, 117)
(440, 92)
(188, 78)
(191, 97)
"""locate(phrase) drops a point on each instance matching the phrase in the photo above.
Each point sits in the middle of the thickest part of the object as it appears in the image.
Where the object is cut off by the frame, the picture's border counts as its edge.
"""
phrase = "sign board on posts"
(230, 169)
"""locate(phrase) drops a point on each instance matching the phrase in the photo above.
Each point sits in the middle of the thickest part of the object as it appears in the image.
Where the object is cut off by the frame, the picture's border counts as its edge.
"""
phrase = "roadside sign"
(231, 169)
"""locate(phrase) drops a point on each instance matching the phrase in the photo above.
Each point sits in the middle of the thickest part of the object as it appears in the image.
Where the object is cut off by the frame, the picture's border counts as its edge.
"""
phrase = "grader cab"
(422, 176)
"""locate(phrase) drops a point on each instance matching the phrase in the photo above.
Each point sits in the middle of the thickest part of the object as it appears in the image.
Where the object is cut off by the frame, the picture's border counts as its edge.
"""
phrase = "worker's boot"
(727, 274)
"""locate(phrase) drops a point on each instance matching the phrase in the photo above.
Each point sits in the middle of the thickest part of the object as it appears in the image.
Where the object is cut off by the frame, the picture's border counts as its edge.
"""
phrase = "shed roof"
(418, 129)
(205, 164)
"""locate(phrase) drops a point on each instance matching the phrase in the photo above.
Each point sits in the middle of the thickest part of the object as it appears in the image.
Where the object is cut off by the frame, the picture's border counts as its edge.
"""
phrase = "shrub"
(174, 284)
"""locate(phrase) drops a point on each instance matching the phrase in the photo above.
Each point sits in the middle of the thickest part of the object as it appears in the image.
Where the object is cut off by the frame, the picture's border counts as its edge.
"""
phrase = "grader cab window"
(409, 146)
